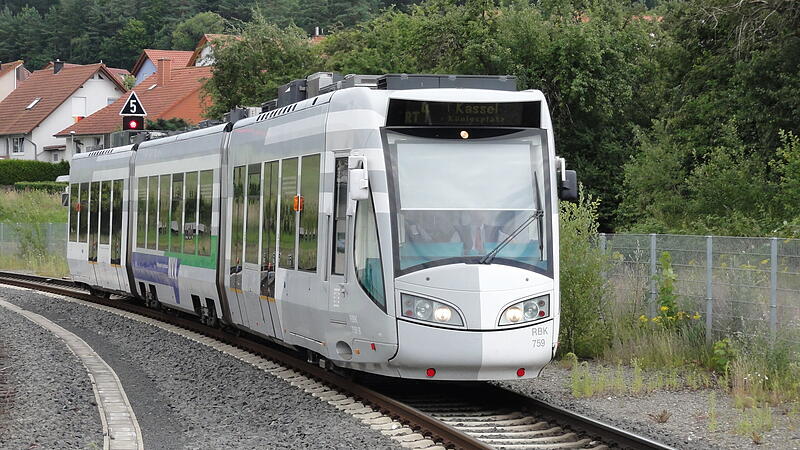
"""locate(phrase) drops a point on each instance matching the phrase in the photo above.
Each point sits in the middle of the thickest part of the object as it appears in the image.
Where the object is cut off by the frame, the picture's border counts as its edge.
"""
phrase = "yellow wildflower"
(696, 316)
(643, 318)
(764, 261)
(664, 308)
(657, 319)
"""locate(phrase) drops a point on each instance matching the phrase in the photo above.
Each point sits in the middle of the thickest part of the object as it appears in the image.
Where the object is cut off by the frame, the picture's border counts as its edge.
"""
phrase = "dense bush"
(584, 291)
(47, 186)
(16, 170)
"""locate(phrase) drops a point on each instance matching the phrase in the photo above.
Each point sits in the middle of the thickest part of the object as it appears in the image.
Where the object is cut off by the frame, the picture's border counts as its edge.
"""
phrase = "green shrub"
(584, 291)
(52, 187)
(15, 170)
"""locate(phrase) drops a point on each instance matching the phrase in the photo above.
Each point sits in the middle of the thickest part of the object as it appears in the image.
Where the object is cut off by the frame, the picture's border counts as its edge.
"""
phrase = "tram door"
(339, 239)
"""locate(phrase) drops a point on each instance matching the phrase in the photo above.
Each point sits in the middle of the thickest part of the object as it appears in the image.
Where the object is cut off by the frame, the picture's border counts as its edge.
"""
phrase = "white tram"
(402, 230)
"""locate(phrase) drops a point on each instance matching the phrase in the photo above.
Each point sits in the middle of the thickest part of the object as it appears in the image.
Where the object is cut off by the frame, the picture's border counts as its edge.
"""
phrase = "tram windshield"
(470, 201)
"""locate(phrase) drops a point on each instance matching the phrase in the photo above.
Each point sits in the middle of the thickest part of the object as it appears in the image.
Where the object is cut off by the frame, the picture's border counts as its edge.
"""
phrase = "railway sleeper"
(527, 420)
(520, 434)
(502, 429)
(567, 437)
(489, 417)
(564, 445)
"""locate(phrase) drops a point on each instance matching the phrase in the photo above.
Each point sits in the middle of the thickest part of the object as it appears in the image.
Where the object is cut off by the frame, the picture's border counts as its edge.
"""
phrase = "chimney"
(57, 66)
(164, 71)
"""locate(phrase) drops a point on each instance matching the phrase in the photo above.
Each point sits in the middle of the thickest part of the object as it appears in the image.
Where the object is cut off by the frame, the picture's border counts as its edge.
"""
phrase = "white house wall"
(8, 83)
(96, 92)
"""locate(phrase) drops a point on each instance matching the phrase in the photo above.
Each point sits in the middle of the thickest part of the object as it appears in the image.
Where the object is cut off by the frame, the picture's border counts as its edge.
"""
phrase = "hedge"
(49, 186)
(16, 170)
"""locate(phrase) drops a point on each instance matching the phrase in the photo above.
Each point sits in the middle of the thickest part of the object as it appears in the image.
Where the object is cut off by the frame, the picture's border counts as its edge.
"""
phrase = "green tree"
(124, 47)
(249, 70)
(189, 32)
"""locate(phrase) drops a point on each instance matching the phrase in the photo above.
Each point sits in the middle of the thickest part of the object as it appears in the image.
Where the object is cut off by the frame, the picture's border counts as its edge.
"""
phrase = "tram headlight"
(429, 310)
(526, 311)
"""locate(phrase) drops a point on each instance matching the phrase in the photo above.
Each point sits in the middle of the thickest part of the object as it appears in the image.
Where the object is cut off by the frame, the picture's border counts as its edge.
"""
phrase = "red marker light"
(541, 313)
(373, 346)
(133, 124)
(430, 372)
(520, 372)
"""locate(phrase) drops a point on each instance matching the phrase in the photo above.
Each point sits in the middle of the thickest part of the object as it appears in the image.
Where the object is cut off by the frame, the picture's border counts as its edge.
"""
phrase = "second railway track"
(416, 414)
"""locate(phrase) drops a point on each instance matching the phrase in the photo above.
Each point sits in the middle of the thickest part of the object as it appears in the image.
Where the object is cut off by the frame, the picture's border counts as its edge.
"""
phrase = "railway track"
(416, 414)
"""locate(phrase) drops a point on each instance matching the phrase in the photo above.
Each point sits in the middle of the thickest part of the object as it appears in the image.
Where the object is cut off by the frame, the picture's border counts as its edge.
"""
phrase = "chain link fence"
(17, 238)
(740, 285)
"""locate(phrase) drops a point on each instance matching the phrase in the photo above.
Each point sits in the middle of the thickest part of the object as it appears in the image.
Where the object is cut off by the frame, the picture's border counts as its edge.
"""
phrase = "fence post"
(773, 288)
(709, 287)
(653, 272)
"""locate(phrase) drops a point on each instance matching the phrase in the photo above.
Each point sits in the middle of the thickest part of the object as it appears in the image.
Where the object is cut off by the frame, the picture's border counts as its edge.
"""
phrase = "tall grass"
(31, 207)
(25, 212)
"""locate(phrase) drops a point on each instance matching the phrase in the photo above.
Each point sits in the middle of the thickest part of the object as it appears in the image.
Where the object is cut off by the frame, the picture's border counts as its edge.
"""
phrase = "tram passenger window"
(286, 254)
(152, 211)
(367, 255)
(269, 228)
(141, 213)
(163, 214)
(204, 225)
(116, 222)
(340, 217)
(94, 217)
(253, 213)
(237, 233)
(190, 220)
(176, 214)
(309, 213)
(105, 211)
(83, 214)
(75, 206)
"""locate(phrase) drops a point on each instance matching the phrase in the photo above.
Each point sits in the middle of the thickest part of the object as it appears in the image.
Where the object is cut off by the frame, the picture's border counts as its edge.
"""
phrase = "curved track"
(418, 414)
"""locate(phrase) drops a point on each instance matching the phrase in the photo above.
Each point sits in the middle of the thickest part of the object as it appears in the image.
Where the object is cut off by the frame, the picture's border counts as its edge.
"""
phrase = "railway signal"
(133, 123)
(133, 113)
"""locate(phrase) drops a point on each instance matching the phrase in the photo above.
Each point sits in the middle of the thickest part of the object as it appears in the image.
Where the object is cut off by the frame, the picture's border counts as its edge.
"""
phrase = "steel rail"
(412, 417)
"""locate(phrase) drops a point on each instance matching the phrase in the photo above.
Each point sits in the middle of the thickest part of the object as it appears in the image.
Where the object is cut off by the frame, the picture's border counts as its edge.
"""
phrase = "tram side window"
(268, 237)
(190, 209)
(253, 213)
(83, 219)
(309, 212)
(152, 200)
(286, 254)
(75, 206)
(163, 214)
(340, 217)
(176, 214)
(237, 233)
(204, 227)
(105, 212)
(369, 268)
(116, 222)
(94, 218)
(141, 213)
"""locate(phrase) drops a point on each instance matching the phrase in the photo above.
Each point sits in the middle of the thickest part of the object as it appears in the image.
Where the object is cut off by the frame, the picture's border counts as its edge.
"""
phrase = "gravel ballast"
(690, 424)
(187, 395)
(48, 401)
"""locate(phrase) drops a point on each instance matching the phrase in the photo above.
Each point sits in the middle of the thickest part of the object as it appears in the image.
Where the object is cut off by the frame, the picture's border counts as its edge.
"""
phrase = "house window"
(55, 156)
(17, 145)
(33, 103)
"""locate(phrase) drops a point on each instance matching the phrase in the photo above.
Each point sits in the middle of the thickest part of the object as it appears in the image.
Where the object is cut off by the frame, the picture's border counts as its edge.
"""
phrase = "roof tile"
(178, 98)
(53, 89)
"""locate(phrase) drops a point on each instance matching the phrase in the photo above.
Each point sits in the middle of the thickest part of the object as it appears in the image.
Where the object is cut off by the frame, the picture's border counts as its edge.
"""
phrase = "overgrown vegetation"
(28, 242)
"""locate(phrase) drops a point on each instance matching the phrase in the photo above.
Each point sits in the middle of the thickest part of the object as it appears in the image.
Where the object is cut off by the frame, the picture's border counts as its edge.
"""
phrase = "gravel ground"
(47, 398)
(186, 395)
(688, 426)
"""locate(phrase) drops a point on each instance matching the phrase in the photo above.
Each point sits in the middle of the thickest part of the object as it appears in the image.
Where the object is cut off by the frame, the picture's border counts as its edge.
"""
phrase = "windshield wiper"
(537, 214)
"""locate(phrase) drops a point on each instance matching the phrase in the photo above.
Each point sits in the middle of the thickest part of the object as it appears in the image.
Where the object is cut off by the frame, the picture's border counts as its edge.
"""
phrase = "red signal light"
(132, 123)
(430, 372)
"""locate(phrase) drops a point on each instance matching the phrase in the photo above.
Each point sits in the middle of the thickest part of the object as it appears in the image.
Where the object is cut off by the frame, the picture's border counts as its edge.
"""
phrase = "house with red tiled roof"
(11, 75)
(171, 92)
(147, 63)
(203, 54)
(47, 102)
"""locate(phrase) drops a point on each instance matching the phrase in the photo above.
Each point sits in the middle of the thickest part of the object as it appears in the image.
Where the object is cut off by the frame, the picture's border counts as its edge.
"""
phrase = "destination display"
(413, 113)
